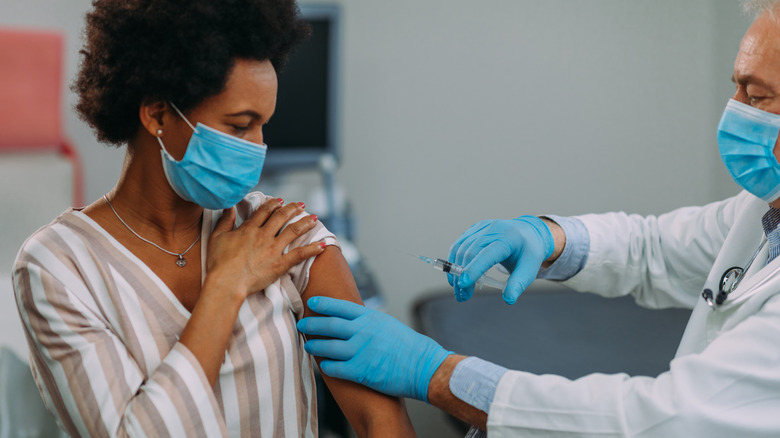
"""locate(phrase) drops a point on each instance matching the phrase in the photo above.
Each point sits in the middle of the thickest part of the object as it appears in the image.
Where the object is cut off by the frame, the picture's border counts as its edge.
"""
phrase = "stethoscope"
(729, 281)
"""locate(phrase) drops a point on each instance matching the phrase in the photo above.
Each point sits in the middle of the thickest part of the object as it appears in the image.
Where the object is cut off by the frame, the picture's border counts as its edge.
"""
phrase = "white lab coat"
(725, 378)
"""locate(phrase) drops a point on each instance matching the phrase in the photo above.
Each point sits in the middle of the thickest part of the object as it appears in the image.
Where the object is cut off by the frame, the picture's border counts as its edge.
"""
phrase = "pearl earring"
(159, 132)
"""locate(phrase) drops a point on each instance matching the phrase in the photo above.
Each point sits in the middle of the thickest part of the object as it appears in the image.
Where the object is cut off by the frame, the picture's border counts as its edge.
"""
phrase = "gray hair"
(758, 7)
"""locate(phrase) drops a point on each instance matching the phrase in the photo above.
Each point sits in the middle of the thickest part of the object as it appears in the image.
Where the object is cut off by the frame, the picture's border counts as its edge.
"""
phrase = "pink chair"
(40, 172)
(31, 81)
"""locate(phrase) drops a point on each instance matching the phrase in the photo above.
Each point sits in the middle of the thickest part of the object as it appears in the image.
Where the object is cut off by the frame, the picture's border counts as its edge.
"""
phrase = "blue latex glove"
(521, 245)
(371, 348)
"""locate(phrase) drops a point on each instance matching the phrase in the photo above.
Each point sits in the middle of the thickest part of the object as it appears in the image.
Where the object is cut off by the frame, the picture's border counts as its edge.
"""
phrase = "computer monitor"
(306, 123)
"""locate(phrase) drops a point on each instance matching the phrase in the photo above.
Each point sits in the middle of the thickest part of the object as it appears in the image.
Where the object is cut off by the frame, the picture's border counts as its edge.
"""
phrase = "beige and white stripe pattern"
(103, 333)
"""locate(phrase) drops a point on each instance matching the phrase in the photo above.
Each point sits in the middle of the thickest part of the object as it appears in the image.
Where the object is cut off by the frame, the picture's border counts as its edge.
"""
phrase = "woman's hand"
(253, 254)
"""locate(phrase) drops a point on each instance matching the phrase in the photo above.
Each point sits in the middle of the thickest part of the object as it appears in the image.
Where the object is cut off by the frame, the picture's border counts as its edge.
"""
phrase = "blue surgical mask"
(217, 169)
(746, 139)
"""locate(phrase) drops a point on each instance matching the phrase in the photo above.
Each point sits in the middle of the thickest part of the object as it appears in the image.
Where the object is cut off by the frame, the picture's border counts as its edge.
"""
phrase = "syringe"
(451, 268)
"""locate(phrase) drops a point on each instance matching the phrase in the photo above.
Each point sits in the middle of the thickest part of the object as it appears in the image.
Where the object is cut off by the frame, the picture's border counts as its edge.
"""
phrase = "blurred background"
(440, 113)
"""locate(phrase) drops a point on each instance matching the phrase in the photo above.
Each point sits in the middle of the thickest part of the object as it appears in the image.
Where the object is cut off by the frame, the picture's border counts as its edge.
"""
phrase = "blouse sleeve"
(299, 274)
(87, 377)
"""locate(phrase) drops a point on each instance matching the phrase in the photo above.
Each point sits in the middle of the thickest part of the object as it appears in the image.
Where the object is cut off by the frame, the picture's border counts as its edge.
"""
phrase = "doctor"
(719, 259)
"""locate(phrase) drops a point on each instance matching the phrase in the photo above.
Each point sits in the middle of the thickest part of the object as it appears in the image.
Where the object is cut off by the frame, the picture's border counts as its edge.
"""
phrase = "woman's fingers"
(268, 267)
(255, 251)
(271, 218)
(295, 229)
(301, 253)
(226, 222)
(263, 212)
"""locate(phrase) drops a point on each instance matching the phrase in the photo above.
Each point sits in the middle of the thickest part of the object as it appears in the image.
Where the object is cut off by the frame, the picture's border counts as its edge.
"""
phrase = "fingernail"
(314, 218)
(301, 205)
(323, 245)
(281, 201)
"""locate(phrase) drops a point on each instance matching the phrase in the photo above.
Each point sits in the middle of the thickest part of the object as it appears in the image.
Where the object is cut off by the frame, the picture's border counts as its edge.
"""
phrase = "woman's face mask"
(746, 139)
(217, 169)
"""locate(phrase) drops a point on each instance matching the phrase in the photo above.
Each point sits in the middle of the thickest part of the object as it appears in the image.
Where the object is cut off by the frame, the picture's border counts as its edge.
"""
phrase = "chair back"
(31, 81)
(40, 173)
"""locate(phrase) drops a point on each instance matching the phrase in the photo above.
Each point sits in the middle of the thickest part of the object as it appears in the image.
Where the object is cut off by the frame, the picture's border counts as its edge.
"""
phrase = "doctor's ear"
(152, 117)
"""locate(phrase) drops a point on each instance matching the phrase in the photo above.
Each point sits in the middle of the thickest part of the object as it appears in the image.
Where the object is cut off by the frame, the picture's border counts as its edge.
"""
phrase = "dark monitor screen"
(304, 125)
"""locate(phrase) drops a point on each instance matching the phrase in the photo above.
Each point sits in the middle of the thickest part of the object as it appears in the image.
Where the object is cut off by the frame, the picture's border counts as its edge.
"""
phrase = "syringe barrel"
(445, 266)
(486, 281)
(483, 281)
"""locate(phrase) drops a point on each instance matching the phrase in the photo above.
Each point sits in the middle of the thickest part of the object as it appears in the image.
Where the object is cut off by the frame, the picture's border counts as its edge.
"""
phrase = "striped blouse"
(103, 333)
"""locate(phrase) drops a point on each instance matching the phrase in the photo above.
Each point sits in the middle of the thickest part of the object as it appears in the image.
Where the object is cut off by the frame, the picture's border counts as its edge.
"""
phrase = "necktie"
(769, 221)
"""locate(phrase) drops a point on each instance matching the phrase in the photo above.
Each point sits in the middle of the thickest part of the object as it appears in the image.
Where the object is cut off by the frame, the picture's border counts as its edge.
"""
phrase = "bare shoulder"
(330, 276)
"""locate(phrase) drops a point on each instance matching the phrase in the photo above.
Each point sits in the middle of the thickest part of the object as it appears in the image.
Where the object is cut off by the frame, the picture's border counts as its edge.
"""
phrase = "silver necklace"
(180, 261)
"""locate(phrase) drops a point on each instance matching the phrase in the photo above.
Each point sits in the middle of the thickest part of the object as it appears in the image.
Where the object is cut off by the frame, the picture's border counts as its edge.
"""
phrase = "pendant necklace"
(180, 261)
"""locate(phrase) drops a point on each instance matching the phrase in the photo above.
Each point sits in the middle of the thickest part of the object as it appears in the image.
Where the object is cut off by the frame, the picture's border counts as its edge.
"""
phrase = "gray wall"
(458, 110)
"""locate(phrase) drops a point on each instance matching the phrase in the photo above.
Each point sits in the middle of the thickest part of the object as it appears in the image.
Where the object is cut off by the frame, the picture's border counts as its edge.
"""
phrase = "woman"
(160, 309)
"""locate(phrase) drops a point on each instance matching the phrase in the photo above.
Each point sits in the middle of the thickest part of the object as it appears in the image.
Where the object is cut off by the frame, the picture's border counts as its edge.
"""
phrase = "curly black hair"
(140, 51)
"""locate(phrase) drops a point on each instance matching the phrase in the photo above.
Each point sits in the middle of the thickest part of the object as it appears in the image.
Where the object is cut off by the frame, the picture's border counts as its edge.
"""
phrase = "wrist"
(559, 240)
(429, 369)
(439, 386)
(440, 395)
(225, 288)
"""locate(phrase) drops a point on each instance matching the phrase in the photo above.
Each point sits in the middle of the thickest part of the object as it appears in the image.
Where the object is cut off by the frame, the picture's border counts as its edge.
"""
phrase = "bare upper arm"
(369, 412)
(330, 276)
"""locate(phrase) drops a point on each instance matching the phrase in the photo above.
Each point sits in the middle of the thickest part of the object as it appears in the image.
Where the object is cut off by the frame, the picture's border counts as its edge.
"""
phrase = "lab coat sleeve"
(662, 261)
(730, 389)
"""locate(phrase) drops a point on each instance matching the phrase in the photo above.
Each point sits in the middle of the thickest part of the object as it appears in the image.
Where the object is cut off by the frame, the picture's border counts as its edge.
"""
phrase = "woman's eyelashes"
(240, 130)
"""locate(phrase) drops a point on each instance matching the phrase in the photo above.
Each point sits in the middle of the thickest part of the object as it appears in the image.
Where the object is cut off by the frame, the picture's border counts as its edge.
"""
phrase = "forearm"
(208, 330)
(371, 414)
(440, 395)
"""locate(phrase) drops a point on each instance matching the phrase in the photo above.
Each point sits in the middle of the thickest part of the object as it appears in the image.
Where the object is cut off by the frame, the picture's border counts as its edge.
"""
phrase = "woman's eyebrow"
(250, 113)
(253, 114)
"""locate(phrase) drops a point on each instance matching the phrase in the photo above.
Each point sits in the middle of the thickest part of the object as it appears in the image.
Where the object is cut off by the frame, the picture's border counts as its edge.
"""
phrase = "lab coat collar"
(754, 281)
(740, 245)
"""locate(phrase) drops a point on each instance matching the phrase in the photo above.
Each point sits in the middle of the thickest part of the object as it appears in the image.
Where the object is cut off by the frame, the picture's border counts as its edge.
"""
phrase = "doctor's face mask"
(217, 169)
(746, 139)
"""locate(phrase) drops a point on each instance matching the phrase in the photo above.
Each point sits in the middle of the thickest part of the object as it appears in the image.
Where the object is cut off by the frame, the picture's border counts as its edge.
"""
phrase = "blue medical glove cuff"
(427, 371)
(575, 254)
(544, 233)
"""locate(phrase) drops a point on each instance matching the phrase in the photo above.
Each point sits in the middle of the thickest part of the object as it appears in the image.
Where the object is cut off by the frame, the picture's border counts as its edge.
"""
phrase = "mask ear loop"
(159, 140)
(182, 116)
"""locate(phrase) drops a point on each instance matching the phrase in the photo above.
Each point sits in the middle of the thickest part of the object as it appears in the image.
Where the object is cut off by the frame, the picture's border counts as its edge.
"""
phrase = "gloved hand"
(371, 348)
(521, 245)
